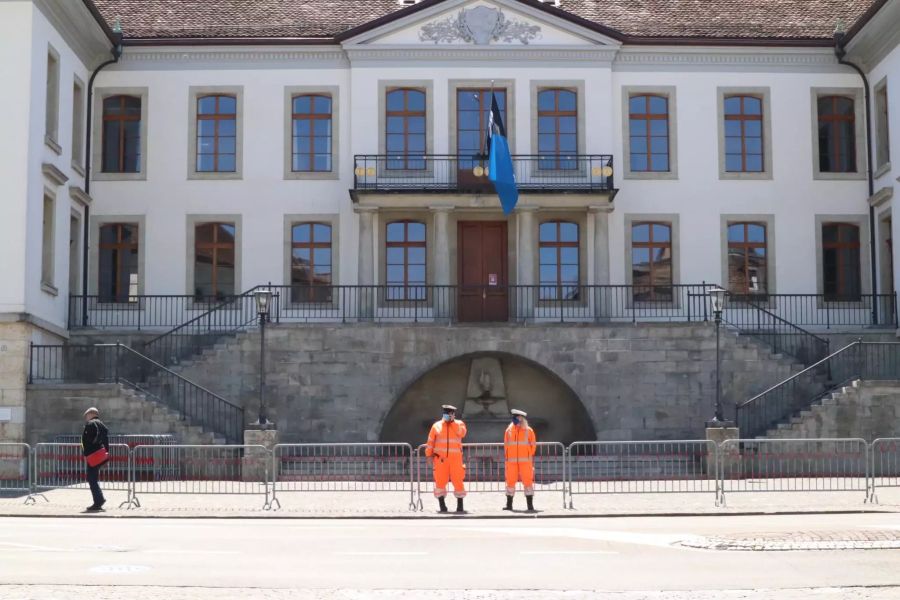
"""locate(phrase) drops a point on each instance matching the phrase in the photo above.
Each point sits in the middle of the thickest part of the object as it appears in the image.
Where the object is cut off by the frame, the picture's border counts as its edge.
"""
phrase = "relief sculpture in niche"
(480, 25)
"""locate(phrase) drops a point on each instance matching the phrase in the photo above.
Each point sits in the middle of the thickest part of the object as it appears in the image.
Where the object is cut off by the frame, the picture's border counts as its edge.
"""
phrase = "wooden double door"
(483, 293)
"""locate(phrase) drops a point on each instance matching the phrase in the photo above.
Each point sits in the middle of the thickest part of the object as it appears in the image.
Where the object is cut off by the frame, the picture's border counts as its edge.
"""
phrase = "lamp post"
(717, 300)
(263, 301)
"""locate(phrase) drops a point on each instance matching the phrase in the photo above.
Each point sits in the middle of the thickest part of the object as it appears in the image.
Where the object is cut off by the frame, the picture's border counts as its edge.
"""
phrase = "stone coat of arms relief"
(480, 26)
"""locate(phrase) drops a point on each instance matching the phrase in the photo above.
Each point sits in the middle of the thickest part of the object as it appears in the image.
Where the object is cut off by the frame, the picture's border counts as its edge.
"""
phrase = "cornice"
(877, 38)
(191, 57)
(481, 53)
(79, 29)
(751, 58)
(78, 195)
(881, 196)
(53, 173)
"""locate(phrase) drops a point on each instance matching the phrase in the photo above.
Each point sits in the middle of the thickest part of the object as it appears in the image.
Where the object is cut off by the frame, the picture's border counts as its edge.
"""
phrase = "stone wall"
(340, 382)
(14, 340)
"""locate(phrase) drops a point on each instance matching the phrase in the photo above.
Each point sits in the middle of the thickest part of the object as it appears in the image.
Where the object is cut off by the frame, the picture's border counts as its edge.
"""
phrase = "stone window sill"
(49, 288)
(78, 168)
(885, 168)
(51, 143)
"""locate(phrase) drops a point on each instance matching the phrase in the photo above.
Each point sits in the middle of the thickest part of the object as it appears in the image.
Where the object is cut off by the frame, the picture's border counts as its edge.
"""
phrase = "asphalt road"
(624, 554)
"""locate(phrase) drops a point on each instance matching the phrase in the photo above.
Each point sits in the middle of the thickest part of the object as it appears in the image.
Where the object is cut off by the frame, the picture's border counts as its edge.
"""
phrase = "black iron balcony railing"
(587, 173)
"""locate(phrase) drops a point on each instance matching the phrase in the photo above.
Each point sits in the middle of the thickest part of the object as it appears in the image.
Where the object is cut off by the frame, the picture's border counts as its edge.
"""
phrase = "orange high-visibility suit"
(445, 446)
(519, 445)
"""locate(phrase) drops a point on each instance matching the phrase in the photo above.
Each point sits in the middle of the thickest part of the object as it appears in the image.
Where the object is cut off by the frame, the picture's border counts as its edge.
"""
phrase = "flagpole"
(484, 148)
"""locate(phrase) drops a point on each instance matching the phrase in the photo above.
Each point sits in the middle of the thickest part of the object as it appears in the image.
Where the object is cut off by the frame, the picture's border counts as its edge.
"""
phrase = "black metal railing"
(137, 312)
(858, 360)
(824, 311)
(117, 363)
(458, 173)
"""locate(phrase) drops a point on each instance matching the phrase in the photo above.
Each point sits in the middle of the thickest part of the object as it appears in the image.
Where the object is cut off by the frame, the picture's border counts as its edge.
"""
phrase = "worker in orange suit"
(445, 447)
(519, 445)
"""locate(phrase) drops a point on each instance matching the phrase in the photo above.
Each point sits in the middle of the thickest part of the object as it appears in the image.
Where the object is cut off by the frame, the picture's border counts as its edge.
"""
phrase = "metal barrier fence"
(129, 439)
(884, 458)
(673, 467)
(793, 465)
(486, 469)
(15, 469)
(362, 467)
(63, 466)
(199, 469)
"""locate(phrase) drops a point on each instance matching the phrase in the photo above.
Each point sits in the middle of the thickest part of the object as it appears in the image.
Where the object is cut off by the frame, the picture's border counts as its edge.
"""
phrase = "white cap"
(92, 409)
(448, 407)
(519, 413)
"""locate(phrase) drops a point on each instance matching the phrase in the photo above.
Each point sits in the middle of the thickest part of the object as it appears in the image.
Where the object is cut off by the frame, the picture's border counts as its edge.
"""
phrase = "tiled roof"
(743, 19)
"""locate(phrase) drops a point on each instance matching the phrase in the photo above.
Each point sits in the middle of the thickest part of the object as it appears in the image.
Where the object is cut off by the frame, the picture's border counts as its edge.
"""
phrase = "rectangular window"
(311, 263)
(48, 240)
(652, 262)
(311, 133)
(405, 128)
(557, 128)
(51, 119)
(78, 125)
(559, 260)
(74, 255)
(836, 116)
(648, 132)
(405, 260)
(841, 261)
(121, 134)
(747, 259)
(118, 268)
(882, 133)
(744, 134)
(473, 107)
(214, 261)
(216, 134)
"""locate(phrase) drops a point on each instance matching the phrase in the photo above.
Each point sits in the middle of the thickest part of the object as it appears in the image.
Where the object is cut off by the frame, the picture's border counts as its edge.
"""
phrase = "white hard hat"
(519, 413)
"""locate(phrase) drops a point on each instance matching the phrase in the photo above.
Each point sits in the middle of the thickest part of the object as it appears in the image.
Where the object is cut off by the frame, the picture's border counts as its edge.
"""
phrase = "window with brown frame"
(118, 264)
(744, 134)
(473, 109)
(214, 261)
(652, 262)
(121, 134)
(311, 265)
(837, 134)
(559, 265)
(747, 259)
(311, 133)
(216, 134)
(405, 116)
(882, 129)
(841, 271)
(557, 129)
(405, 254)
(648, 130)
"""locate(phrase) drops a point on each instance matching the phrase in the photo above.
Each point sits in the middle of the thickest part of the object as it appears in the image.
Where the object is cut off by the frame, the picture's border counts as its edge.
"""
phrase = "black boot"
(443, 504)
(530, 501)
(508, 503)
(459, 505)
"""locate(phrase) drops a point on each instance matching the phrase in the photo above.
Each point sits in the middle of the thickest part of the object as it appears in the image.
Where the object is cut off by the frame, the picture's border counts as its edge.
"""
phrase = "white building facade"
(218, 164)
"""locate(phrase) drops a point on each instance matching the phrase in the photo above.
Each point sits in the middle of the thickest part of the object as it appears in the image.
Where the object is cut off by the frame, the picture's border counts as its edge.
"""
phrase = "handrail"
(785, 321)
(210, 311)
(798, 374)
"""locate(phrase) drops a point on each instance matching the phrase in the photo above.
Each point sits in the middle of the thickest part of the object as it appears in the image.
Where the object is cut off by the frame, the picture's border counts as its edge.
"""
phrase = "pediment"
(485, 23)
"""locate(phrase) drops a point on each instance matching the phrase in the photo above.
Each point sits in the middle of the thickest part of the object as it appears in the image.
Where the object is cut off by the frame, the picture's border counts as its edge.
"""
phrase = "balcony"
(535, 174)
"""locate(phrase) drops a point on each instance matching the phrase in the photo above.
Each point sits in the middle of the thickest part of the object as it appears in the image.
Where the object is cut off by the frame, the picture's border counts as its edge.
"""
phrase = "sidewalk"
(343, 505)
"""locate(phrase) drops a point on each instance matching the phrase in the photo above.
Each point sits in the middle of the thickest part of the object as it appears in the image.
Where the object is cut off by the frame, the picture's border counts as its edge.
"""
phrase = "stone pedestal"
(255, 462)
(730, 456)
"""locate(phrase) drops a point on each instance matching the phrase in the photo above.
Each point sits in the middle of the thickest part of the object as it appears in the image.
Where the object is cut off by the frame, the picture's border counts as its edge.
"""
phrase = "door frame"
(503, 284)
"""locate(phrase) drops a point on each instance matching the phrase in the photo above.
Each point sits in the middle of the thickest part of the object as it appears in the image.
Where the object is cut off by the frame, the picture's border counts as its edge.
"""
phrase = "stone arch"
(555, 410)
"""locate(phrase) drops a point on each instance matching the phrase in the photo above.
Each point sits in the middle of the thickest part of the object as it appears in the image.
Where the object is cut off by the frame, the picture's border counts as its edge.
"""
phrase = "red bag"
(95, 459)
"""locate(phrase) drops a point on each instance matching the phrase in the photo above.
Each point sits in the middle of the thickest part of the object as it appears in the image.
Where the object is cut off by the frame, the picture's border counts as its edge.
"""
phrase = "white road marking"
(621, 537)
(118, 569)
(380, 553)
(198, 551)
(565, 552)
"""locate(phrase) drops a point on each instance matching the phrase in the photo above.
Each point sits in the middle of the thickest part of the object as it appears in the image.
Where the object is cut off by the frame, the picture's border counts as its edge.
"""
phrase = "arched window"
(648, 130)
(214, 261)
(311, 262)
(747, 258)
(405, 260)
(557, 129)
(744, 134)
(311, 133)
(559, 260)
(121, 137)
(651, 262)
(405, 128)
(118, 268)
(216, 134)
(840, 261)
(837, 135)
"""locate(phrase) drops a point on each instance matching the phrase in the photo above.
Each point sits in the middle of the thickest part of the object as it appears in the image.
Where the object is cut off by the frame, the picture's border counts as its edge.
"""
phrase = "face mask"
(515, 420)
(446, 417)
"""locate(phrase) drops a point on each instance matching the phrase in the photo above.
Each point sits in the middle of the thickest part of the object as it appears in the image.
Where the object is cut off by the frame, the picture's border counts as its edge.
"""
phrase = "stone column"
(442, 295)
(525, 298)
(602, 299)
(366, 293)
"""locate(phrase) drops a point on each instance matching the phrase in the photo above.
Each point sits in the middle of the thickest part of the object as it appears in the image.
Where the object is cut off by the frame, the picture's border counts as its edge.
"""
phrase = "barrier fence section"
(15, 469)
(884, 461)
(793, 465)
(63, 466)
(486, 470)
(640, 467)
(199, 469)
(346, 467)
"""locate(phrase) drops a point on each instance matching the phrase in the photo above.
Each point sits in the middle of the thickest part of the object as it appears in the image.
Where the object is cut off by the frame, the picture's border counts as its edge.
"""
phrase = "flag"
(499, 160)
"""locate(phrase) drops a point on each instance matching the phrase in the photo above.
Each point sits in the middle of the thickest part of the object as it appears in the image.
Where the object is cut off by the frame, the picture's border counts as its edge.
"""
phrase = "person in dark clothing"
(95, 437)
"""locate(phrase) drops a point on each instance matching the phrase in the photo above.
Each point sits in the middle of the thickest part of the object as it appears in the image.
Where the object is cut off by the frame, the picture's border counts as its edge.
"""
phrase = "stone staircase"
(57, 409)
